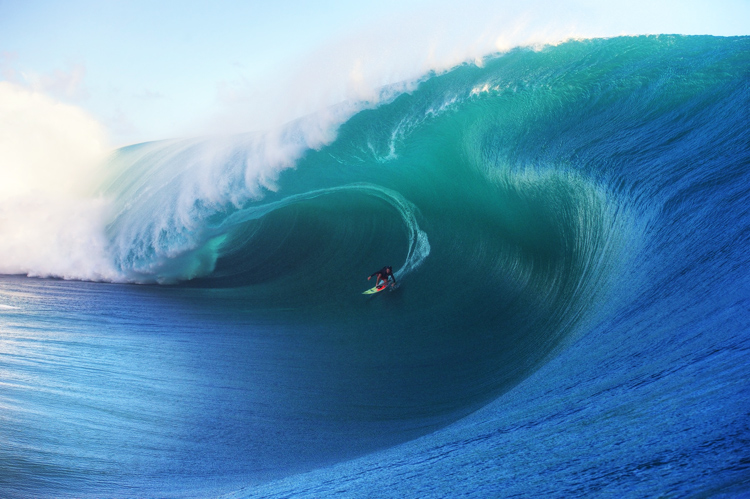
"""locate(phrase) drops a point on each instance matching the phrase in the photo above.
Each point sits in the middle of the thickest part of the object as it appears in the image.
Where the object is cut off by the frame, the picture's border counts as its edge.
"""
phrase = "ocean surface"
(570, 231)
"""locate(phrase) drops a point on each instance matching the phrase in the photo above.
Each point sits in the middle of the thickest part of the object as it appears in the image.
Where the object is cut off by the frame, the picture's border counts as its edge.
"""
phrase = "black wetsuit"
(384, 274)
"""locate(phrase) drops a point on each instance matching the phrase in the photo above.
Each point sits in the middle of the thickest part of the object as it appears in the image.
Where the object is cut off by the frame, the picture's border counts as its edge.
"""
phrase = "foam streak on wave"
(419, 246)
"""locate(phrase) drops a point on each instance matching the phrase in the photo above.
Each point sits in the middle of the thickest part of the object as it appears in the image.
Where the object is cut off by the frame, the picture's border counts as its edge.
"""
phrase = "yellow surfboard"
(376, 289)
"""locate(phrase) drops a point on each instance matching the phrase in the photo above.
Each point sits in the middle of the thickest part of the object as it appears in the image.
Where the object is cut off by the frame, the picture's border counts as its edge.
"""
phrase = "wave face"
(569, 229)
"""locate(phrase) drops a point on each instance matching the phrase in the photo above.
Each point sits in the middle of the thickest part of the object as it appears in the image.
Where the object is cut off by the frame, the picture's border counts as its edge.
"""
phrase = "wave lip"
(172, 195)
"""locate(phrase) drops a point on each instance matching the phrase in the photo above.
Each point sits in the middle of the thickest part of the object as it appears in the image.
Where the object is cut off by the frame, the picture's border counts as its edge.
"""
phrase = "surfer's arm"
(374, 274)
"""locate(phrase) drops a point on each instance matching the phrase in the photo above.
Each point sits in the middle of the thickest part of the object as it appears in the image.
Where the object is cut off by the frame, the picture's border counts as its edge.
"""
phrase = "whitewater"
(569, 226)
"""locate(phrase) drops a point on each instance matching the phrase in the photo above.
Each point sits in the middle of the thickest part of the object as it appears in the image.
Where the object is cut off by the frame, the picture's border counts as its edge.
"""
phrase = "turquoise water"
(569, 228)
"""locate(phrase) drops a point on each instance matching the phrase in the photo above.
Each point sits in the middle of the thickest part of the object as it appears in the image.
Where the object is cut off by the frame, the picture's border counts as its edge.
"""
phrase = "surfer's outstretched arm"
(384, 275)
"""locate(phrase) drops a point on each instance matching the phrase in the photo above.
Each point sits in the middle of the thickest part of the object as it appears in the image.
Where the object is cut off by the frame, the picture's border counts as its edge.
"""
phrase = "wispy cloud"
(67, 84)
(231, 93)
(147, 94)
(8, 71)
(120, 124)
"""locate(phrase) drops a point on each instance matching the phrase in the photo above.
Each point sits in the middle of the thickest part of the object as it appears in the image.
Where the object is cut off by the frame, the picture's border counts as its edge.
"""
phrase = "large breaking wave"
(540, 198)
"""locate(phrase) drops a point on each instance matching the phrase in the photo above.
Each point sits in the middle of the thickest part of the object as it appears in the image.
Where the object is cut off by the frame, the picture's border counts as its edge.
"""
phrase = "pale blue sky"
(154, 69)
(119, 59)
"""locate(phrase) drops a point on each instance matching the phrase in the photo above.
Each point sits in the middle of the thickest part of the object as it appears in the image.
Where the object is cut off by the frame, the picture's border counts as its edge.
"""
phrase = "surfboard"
(376, 289)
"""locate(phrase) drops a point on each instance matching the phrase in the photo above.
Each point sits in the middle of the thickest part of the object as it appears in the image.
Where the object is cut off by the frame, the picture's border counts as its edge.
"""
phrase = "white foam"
(50, 155)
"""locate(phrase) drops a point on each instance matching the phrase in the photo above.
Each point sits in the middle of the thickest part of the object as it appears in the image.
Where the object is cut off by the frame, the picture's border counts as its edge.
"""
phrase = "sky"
(145, 70)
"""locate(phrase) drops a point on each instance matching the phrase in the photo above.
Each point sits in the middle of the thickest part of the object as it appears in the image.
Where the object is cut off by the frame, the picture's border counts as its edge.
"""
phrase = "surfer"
(383, 275)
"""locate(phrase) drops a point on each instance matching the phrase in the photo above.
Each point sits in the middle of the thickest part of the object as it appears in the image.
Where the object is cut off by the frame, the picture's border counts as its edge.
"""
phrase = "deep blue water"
(569, 228)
